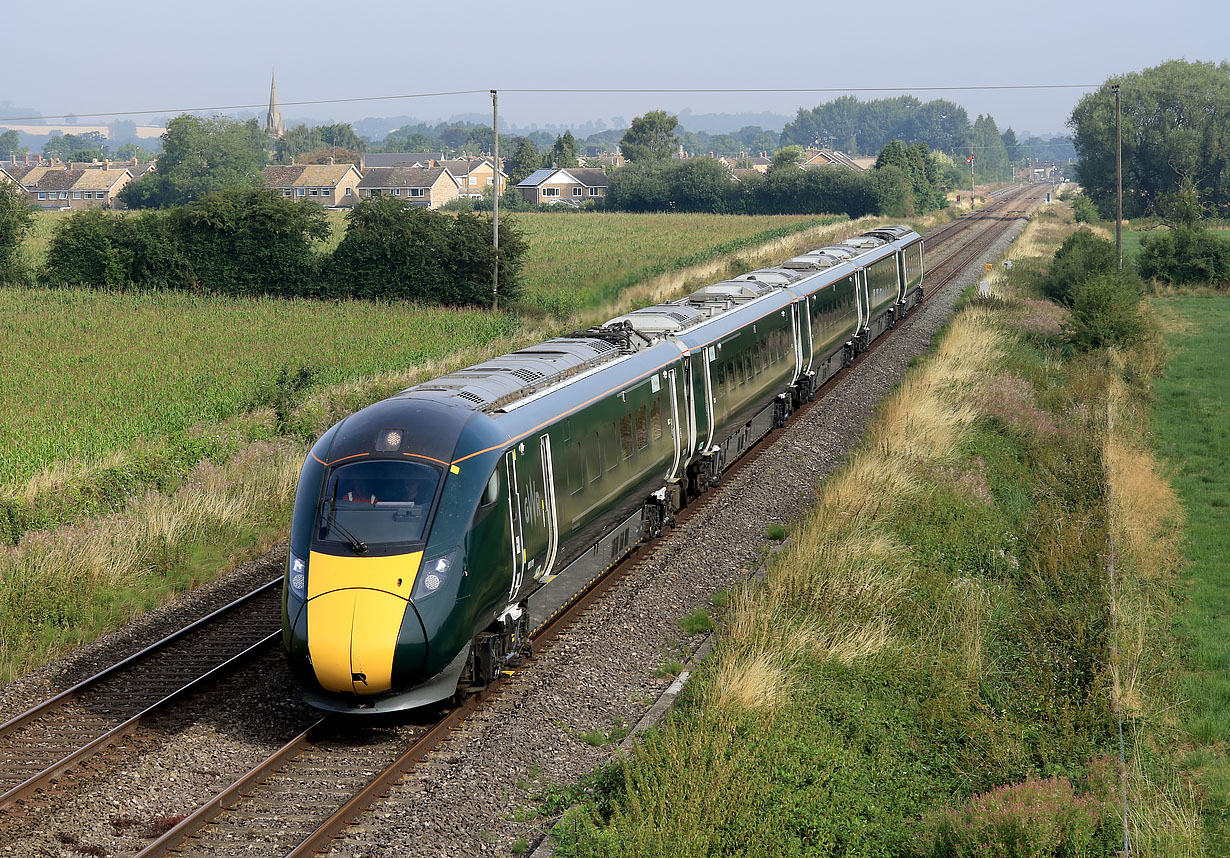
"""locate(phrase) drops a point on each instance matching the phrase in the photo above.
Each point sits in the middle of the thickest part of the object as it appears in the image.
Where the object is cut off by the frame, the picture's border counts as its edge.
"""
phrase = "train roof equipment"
(498, 383)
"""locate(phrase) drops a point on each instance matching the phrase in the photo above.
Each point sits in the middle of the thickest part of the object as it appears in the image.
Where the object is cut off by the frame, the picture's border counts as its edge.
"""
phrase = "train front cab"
(379, 602)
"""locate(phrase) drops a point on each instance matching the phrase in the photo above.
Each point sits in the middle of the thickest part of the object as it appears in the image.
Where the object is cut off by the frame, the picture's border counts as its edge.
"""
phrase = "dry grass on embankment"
(938, 657)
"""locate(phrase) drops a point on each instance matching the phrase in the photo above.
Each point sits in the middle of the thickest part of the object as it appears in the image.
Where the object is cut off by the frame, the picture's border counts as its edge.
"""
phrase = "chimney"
(133, 162)
(106, 163)
(330, 160)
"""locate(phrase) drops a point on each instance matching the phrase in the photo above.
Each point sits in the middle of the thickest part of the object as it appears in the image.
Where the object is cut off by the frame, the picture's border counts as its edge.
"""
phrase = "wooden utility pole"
(495, 219)
(1118, 175)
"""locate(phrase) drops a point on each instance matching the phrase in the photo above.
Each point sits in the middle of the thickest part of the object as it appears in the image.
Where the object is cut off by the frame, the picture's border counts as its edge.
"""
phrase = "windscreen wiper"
(356, 545)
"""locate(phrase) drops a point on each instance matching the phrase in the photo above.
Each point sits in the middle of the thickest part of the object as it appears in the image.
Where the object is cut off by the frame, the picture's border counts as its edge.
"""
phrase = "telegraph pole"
(495, 219)
(1118, 174)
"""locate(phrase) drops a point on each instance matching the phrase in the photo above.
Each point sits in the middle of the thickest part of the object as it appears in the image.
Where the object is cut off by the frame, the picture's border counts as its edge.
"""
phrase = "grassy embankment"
(938, 658)
(1192, 434)
(189, 418)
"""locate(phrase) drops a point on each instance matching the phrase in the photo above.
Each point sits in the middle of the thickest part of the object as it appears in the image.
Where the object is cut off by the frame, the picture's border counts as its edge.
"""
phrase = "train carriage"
(435, 530)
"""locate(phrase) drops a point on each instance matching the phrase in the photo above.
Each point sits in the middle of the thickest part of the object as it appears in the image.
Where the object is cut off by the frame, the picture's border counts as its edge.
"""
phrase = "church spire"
(273, 119)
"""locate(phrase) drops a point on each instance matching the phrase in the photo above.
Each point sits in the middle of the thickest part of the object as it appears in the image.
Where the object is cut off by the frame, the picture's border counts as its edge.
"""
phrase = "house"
(97, 188)
(430, 187)
(393, 159)
(6, 179)
(51, 188)
(331, 185)
(831, 158)
(474, 174)
(574, 185)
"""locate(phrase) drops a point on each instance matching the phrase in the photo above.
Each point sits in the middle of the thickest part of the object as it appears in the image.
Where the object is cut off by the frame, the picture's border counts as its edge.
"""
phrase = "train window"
(574, 457)
(612, 460)
(642, 429)
(625, 436)
(655, 420)
(720, 385)
(747, 365)
(491, 493)
(593, 457)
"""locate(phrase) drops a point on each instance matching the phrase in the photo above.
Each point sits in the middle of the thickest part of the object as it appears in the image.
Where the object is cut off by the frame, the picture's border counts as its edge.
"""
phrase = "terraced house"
(57, 187)
(430, 187)
(331, 185)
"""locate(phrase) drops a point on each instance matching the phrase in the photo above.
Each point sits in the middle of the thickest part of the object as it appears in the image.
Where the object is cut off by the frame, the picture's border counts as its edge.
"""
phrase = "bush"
(1084, 210)
(1105, 312)
(394, 250)
(16, 218)
(1081, 256)
(250, 242)
(1034, 819)
(1185, 255)
(237, 242)
(90, 249)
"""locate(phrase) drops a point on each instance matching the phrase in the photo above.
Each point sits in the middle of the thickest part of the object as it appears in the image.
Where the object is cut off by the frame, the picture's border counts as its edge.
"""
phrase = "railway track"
(46, 743)
(359, 769)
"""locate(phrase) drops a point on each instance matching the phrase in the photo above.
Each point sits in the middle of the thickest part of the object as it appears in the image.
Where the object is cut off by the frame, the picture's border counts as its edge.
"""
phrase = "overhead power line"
(560, 91)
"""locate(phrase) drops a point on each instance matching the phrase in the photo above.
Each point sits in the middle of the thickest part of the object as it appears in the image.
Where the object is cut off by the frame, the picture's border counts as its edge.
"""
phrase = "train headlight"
(433, 575)
(296, 576)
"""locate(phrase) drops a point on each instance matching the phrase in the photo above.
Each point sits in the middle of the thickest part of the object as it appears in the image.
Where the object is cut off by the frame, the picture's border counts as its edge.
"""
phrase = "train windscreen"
(377, 503)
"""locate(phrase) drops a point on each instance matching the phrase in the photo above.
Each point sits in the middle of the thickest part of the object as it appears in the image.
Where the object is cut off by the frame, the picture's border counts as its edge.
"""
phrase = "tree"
(133, 150)
(200, 156)
(650, 137)
(990, 155)
(525, 160)
(480, 141)
(1010, 144)
(1174, 125)
(76, 147)
(790, 156)
(563, 152)
(16, 218)
(10, 144)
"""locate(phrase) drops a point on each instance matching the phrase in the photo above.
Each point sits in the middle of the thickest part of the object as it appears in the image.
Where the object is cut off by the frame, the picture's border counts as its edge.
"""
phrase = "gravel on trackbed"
(598, 676)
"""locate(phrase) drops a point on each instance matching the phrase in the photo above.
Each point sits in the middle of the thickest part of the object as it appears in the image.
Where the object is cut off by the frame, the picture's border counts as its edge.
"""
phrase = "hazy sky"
(169, 56)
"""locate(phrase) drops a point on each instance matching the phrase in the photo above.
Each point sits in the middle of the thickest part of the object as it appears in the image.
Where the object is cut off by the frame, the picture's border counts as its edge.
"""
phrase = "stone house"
(331, 185)
(430, 187)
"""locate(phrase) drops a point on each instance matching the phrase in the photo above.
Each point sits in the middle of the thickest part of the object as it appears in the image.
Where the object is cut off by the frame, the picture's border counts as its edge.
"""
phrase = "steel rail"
(95, 684)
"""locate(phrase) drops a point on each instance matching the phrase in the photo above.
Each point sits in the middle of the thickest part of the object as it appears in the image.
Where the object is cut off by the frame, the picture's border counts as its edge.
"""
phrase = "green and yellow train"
(434, 531)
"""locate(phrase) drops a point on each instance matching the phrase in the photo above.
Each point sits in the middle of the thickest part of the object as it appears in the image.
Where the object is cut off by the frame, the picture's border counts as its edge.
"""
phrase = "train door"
(808, 339)
(675, 427)
(860, 300)
(700, 392)
(532, 513)
(796, 335)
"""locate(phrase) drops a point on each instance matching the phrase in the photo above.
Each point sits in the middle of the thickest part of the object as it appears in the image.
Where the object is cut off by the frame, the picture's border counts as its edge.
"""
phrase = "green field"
(89, 372)
(1193, 434)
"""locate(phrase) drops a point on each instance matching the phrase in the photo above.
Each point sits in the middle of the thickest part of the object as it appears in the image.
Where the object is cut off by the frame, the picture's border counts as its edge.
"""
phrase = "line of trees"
(907, 180)
(246, 242)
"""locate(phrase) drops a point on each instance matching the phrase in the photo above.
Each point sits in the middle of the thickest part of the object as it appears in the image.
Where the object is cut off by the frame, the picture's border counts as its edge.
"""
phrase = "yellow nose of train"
(355, 612)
